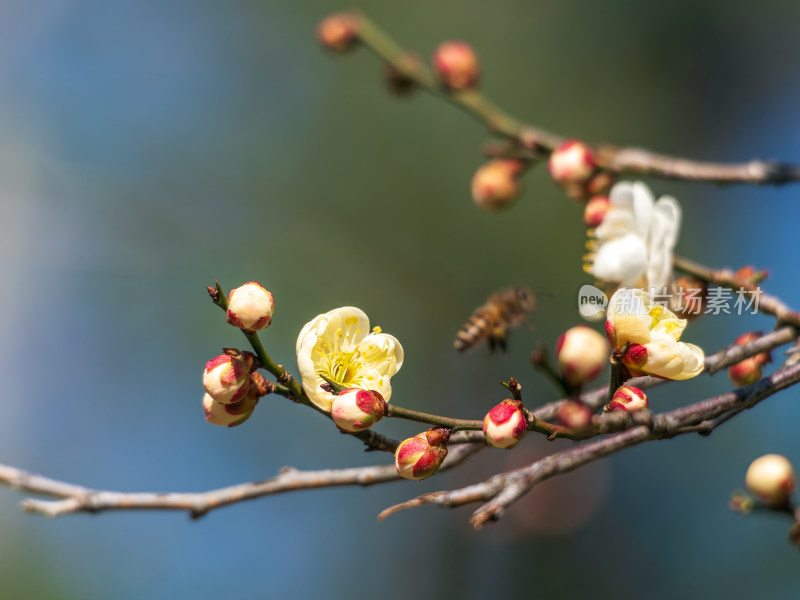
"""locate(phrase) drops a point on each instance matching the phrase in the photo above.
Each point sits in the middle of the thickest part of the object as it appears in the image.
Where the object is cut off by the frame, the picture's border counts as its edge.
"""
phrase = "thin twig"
(525, 139)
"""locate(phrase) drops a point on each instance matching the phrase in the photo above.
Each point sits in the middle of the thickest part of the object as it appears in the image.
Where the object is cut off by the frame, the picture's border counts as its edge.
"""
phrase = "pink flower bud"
(422, 455)
(582, 353)
(339, 32)
(227, 377)
(250, 307)
(355, 409)
(456, 65)
(504, 425)
(495, 185)
(572, 162)
(574, 415)
(230, 415)
(771, 478)
(596, 210)
(628, 398)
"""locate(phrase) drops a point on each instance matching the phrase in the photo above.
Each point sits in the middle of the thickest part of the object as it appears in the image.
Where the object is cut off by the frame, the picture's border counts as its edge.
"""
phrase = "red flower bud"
(628, 398)
(504, 426)
(422, 455)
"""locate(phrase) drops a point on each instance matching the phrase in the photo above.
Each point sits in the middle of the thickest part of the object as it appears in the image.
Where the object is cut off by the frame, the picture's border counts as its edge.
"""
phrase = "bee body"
(503, 311)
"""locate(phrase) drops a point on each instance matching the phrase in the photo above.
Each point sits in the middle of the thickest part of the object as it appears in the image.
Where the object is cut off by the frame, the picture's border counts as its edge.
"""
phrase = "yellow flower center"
(341, 367)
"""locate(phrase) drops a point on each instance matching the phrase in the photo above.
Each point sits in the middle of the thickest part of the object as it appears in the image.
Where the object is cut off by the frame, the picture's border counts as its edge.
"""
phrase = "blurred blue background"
(148, 148)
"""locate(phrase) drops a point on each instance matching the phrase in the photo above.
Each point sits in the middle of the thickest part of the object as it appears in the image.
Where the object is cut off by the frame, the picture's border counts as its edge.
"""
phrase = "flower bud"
(572, 162)
(691, 297)
(761, 358)
(751, 275)
(595, 211)
(227, 377)
(339, 32)
(582, 353)
(230, 415)
(745, 372)
(635, 358)
(422, 455)
(456, 65)
(250, 307)
(628, 398)
(495, 185)
(574, 415)
(771, 478)
(504, 426)
(355, 409)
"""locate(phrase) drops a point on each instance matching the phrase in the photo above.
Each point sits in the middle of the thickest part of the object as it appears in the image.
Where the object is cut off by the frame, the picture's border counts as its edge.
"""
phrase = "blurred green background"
(149, 148)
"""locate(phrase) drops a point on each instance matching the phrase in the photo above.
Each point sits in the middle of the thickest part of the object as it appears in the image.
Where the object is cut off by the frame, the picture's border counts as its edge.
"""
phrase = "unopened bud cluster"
(750, 369)
(573, 167)
(771, 478)
(232, 391)
(421, 456)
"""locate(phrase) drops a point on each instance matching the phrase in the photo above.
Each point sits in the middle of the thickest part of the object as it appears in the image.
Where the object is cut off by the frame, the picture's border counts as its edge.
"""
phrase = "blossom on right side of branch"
(649, 335)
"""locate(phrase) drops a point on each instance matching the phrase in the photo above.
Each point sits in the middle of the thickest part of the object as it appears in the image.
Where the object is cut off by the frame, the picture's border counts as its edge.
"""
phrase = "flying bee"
(492, 321)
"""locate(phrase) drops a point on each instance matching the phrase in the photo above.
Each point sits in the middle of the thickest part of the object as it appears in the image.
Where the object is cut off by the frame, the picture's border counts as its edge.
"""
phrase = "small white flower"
(636, 238)
(339, 345)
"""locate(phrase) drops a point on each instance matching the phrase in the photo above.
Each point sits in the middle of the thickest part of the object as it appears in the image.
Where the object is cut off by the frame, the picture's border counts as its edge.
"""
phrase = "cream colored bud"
(771, 478)
(572, 162)
(229, 415)
(496, 185)
(227, 377)
(250, 307)
(582, 354)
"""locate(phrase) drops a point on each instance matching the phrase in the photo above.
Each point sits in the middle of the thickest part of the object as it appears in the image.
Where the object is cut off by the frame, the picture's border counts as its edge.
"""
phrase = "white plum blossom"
(634, 242)
(339, 345)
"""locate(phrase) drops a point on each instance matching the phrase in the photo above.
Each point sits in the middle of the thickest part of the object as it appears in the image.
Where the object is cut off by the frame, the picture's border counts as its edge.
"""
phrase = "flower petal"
(622, 260)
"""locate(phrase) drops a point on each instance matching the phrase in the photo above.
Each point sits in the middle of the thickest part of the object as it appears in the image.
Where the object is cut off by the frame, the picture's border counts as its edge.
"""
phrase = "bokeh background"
(148, 148)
